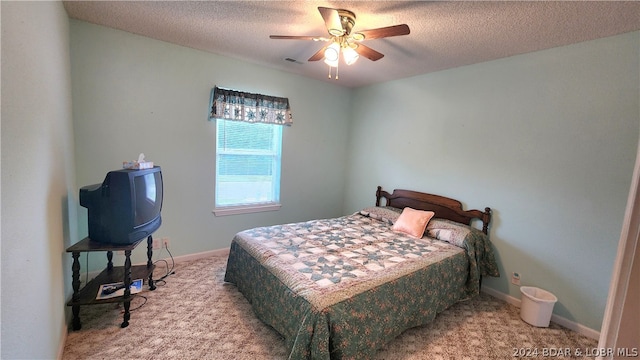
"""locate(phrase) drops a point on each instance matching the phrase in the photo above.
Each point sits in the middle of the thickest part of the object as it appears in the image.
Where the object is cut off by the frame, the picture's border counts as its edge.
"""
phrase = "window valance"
(248, 107)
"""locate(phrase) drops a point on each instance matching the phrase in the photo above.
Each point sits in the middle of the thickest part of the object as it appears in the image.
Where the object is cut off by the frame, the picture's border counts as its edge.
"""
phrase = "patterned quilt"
(341, 288)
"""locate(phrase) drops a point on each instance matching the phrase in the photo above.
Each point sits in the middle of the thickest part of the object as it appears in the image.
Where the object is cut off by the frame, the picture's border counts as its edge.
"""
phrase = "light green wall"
(558, 129)
(547, 140)
(38, 217)
(133, 94)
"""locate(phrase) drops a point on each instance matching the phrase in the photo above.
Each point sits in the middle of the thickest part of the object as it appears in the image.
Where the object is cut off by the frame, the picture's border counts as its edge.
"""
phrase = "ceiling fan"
(342, 40)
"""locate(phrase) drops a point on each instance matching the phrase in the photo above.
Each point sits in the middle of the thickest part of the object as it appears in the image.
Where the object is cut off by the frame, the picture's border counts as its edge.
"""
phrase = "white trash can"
(536, 306)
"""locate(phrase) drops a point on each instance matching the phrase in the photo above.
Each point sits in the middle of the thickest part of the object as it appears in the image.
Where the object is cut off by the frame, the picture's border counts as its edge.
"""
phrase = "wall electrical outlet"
(157, 244)
(165, 243)
(515, 278)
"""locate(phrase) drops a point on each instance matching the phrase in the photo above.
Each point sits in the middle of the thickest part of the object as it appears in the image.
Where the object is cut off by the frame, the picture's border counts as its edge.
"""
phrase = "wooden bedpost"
(378, 194)
(486, 218)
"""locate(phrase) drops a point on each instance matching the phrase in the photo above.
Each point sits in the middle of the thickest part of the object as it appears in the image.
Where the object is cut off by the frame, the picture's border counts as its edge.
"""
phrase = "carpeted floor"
(195, 315)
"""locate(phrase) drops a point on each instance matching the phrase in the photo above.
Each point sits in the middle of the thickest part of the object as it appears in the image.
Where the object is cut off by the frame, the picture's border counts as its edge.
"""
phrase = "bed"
(341, 288)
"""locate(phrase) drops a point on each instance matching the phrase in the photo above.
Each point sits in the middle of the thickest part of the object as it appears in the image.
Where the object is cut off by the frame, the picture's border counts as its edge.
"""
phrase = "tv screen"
(148, 197)
(126, 207)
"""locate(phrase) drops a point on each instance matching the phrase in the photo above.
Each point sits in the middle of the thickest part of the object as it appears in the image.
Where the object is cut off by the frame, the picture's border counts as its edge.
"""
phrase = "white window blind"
(247, 163)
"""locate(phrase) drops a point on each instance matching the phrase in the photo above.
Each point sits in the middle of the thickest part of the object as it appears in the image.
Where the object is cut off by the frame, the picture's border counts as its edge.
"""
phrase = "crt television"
(125, 207)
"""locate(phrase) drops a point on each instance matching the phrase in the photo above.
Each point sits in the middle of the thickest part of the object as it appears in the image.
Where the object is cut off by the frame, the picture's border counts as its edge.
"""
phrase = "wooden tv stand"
(87, 294)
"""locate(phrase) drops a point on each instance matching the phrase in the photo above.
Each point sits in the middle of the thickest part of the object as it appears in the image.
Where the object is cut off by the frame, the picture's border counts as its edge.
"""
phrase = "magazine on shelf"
(108, 291)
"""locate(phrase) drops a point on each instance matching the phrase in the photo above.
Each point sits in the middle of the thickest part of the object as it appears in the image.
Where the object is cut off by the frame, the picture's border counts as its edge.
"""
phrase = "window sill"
(235, 210)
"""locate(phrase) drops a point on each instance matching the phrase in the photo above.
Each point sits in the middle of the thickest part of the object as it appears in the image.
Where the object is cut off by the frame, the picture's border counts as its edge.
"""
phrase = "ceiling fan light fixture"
(332, 53)
(350, 55)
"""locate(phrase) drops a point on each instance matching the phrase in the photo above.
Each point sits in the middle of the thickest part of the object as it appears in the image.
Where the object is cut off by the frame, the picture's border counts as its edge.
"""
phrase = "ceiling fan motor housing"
(347, 20)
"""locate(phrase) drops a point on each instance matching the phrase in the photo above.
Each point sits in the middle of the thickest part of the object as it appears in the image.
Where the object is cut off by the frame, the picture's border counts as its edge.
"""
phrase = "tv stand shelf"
(87, 294)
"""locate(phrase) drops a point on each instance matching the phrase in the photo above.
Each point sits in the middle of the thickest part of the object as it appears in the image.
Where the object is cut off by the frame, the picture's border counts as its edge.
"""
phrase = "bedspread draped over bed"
(341, 288)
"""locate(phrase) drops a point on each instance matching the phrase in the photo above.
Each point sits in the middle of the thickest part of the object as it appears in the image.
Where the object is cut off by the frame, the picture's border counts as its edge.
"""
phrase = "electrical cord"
(169, 271)
(139, 306)
(161, 279)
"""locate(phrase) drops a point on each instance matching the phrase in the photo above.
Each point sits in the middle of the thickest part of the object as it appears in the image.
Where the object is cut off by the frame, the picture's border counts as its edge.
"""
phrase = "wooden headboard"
(444, 207)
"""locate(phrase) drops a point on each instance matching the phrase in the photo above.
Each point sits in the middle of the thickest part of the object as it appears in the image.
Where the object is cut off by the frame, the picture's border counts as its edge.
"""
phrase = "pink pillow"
(413, 222)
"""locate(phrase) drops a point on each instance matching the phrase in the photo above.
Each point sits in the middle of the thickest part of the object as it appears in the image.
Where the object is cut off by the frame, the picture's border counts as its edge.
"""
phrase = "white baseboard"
(63, 341)
(572, 325)
(189, 257)
(201, 255)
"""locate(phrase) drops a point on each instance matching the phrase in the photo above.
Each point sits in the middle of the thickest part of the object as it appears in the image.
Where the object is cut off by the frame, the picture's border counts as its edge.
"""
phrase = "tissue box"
(137, 165)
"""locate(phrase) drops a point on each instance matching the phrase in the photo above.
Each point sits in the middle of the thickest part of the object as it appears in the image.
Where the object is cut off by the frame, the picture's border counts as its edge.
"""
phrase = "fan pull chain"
(330, 68)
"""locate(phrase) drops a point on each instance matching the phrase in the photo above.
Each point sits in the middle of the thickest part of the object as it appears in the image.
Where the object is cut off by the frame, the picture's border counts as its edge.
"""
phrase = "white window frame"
(251, 207)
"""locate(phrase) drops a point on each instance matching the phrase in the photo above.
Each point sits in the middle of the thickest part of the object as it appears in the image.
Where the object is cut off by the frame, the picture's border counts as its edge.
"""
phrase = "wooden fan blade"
(395, 30)
(331, 19)
(368, 52)
(318, 55)
(293, 37)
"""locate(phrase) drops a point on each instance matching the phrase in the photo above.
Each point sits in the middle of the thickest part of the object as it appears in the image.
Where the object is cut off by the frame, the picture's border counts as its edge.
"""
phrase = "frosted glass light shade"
(332, 54)
(350, 55)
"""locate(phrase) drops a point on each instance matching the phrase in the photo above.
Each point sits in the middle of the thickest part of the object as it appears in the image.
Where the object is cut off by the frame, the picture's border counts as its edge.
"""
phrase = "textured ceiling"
(443, 34)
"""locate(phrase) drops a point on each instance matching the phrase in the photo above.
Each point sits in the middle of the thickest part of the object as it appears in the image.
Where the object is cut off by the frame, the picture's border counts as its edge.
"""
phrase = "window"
(248, 150)
(247, 166)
